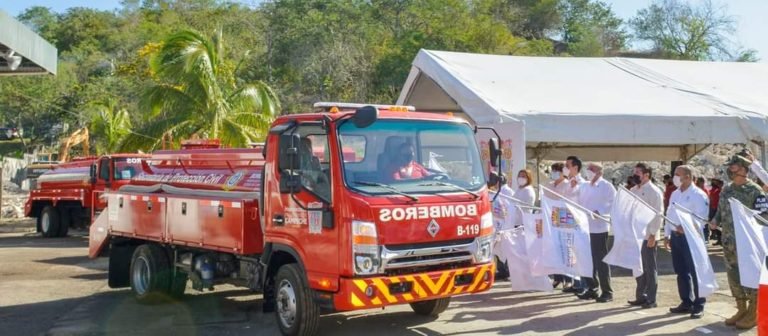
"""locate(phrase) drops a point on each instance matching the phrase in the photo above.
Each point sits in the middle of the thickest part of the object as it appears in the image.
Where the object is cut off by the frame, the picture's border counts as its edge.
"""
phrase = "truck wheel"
(431, 307)
(296, 313)
(49, 222)
(65, 221)
(120, 265)
(179, 284)
(150, 274)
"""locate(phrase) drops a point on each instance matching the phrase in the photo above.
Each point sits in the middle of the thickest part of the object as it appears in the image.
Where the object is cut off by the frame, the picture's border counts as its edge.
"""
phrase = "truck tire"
(120, 265)
(431, 308)
(49, 222)
(65, 221)
(150, 274)
(179, 284)
(296, 312)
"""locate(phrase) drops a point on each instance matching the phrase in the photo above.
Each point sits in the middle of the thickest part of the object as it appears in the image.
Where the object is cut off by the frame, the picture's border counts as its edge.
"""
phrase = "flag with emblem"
(750, 238)
(520, 276)
(693, 235)
(538, 235)
(629, 218)
(567, 248)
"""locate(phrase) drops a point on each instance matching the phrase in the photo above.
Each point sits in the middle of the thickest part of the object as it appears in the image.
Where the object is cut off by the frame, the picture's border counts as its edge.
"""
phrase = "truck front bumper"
(364, 293)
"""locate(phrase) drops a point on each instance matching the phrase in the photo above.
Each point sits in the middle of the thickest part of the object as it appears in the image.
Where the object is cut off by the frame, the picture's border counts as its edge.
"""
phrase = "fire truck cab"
(357, 207)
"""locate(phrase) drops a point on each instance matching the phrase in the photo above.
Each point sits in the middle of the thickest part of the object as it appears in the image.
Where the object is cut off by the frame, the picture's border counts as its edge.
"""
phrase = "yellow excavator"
(81, 136)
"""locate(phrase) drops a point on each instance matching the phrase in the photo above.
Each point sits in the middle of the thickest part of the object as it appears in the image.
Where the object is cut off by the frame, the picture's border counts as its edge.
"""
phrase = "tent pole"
(763, 153)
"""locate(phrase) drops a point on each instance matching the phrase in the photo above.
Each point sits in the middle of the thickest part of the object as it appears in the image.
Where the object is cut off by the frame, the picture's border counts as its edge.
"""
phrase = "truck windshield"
(404, 154)
(126, 168)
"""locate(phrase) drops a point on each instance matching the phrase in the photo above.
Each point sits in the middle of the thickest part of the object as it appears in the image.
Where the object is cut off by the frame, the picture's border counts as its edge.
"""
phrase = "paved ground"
(50, 287)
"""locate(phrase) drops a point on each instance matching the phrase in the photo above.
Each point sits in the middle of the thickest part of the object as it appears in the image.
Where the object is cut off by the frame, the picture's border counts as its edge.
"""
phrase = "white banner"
(693, 235)
(629, 218)
(567, 249)
(750, 240)
(520, 277)
(536, 241)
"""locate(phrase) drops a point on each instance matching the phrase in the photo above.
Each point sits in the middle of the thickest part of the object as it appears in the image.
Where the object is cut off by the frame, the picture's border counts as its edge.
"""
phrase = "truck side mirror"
(93, 171)
(288, 152)
(288, 163)
(365, 116)
(495, 152)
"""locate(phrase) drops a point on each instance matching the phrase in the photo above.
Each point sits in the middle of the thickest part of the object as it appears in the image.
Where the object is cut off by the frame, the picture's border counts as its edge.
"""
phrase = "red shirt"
(714, 198)
(412, 171)
(670, 188)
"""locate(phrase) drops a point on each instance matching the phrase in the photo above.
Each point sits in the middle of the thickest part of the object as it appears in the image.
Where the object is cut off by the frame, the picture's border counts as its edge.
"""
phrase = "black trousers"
(601, 272)
(648, 282)
(687, 281)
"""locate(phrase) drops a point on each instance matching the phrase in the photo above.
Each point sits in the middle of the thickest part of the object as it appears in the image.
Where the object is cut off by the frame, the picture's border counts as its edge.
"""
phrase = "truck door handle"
(278, 220)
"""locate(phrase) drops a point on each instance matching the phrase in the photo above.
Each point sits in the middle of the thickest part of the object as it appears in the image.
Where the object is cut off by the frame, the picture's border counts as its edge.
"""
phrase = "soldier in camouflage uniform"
(750, 194)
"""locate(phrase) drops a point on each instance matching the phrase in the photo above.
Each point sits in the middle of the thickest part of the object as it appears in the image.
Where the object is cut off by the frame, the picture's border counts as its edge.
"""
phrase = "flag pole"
(690, 212)
(594, 215)
(520, 203)
(643, 202)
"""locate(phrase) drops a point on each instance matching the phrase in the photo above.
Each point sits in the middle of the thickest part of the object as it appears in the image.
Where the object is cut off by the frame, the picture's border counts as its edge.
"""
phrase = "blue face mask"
(555, 175)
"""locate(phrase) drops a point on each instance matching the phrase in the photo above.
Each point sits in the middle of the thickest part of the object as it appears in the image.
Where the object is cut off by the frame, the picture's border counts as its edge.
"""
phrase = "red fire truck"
(365, 207)
(65, 196)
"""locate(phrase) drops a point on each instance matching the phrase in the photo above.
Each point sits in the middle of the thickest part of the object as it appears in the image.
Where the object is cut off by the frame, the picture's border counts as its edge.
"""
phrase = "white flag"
(520, 277)
(567, 249)
(538, 234)
(750, 240)
(629, 218)
(704, 271)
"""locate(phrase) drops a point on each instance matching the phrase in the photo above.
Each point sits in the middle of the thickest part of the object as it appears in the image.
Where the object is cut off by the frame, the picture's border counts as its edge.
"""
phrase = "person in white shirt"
(757, 169)
(559, 184)
(647, 283)
(597, 195)
(525, 194)
(572, 171)
(694, 199)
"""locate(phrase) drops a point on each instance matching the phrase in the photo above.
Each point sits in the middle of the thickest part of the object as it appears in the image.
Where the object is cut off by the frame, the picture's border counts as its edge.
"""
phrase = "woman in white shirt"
(524, 193)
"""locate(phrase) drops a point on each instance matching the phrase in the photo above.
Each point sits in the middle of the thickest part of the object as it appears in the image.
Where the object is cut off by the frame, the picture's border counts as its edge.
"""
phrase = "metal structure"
(22, 51)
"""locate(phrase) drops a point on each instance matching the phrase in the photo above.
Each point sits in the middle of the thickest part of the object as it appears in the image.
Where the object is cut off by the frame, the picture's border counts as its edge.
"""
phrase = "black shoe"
(588, 295)
(696, 314)
(649, 305)
(637, 303)
(681, 309)
(570, 289)
(556, 284)
(605, 298)
(717, 243)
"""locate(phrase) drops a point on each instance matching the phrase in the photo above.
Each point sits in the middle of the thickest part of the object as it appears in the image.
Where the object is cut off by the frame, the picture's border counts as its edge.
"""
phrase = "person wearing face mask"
(597, 195)
(524, 193)
(714, 200)
(752, 196)
(669, 188)
(694, 199)
(647, 283)
(572, 172)
(559, 184)
(405, 167)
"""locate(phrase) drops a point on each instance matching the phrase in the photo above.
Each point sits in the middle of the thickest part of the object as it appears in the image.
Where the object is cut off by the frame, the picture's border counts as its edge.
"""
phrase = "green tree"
(590, 28)
(682, 30)
(198, 92)
(42, 20)
(109, 125)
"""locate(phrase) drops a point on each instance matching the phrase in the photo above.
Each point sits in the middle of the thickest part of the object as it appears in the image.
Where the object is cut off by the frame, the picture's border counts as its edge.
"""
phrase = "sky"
(751, 29)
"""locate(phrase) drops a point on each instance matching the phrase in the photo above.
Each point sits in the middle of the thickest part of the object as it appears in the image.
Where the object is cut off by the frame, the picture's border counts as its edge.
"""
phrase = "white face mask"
(566, 172)
(522, 181)
(555, 175)
(590, 175)
(676, 181)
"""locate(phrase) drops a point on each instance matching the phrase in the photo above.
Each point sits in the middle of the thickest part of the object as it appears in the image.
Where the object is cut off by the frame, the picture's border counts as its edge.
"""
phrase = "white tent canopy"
(605, 109)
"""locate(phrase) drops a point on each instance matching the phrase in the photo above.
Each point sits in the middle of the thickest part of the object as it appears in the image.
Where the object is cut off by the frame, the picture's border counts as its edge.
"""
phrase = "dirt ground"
(50, 287)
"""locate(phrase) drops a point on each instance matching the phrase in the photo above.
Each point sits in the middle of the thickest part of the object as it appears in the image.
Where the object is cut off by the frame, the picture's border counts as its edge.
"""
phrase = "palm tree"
(109, 125)
(198, 94)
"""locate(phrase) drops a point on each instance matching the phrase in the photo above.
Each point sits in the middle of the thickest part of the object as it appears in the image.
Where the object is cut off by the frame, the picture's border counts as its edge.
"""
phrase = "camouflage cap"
(741, 159)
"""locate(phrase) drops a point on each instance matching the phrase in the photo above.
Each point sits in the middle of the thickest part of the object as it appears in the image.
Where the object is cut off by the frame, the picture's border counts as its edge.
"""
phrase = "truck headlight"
(484, 252)
(486, 225)
(365, 248)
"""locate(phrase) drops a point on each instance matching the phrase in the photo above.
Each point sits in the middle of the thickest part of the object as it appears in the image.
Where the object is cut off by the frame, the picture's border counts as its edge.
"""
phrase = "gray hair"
(596, 165)
(688, 170)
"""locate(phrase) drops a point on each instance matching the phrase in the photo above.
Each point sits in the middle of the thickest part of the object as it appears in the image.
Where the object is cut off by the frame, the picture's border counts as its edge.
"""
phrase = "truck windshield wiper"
(388, 187)
(451, 185)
